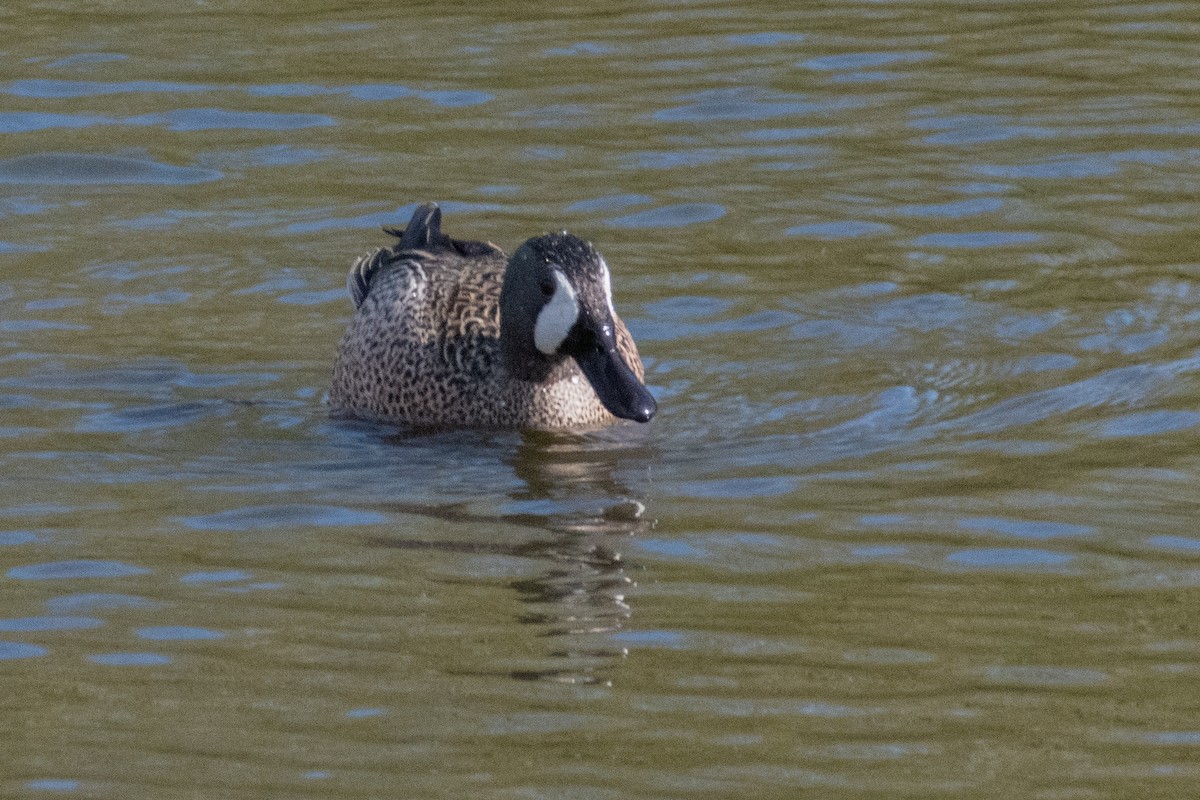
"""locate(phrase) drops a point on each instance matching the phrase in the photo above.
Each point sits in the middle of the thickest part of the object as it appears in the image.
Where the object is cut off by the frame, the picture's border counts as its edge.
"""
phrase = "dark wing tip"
(424, 230)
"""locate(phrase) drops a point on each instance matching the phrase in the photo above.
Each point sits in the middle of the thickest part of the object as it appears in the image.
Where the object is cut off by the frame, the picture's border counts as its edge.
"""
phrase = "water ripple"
(856, 61)
(1047, 677)
(841, 229)
(765, 39)
(177, 633)
(99, 601)
(71, 169)
(1000, 558)
(747, 104)
(218, 577)
(282, 516)
(377, 92)
(977, 240)
(65, 623)
(85, 60)
(32, 121)
(675, 216)
(17, 650)
(73, 570)
(48, 89)
(146, 418)
(130, 659)
(208, 119)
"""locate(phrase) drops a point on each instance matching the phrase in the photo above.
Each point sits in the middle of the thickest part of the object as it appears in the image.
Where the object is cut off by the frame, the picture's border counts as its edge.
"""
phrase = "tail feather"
(424, 231)
(358, 282)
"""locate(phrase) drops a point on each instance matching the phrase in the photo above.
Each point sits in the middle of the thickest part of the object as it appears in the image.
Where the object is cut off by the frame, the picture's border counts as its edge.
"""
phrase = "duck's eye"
(547, 286)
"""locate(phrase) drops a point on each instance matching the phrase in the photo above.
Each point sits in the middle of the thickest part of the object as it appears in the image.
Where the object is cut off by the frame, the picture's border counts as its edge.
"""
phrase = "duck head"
(556, 304)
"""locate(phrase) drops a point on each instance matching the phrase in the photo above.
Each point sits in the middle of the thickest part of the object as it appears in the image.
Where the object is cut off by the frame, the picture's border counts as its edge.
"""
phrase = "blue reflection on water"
(8, 248)
(206, 119)
(579, 49)
(1182, 543)
(870, 76)
(73, 169)
(86, 60)
(1174, 738)
(1083, 165)
(27, 325)
(953, 210)
(840, 229)
(745, 103)
(671, 547)
(1147, 423)
(671, 216)
(96, 601)
(148, 418)
(765, 39)
(878, 551)
(375, 92)
(220, 576)
(1046, 676)
(1097, 165)
(972, 129)
(30, 121)
(289, 90)
(282, 516)
(27, 624)
(993, 557)
(843, 61)
(82, 568)
(14, 650)
(46, 88)
(1024, 528)
(451, 99)
(53, 785)
(364, 713)
(611, 202)
(172, 633)
(314, 298)
(659, 638)
(130, 659)
(54, 89)
(736, 488)
(978, 240)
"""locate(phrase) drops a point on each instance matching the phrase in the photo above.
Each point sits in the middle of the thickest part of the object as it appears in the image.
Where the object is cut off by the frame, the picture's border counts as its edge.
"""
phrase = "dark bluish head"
(556, 303)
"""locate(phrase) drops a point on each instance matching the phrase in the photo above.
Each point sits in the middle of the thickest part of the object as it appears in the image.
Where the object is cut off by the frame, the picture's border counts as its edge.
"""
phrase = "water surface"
(917, 288)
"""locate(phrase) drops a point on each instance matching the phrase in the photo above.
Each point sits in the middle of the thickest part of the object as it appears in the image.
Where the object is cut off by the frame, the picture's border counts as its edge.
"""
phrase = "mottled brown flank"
(423, 349)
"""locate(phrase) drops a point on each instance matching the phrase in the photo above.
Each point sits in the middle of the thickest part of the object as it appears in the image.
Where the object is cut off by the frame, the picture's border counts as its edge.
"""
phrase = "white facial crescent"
(557, 317)
(606, 282)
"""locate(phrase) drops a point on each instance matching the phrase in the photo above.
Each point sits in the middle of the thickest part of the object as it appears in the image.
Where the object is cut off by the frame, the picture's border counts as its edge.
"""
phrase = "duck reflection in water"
(572, 490)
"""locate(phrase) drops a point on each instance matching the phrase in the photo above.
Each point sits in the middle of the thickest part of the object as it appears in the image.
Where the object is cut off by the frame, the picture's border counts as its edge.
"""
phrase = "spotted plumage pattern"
(424, 346)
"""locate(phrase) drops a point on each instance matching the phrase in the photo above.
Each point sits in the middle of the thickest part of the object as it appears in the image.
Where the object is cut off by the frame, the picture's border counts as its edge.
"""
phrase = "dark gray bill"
(617, 387)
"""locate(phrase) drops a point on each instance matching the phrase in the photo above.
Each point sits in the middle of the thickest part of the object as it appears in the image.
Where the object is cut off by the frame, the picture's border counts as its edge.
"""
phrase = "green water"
(917, 289)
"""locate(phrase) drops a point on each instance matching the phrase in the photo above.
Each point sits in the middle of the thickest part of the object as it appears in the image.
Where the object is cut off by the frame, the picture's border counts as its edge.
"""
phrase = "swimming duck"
(453, 333)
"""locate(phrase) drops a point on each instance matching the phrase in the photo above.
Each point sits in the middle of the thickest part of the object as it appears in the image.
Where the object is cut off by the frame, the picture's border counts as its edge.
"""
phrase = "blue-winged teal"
(452, 333)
